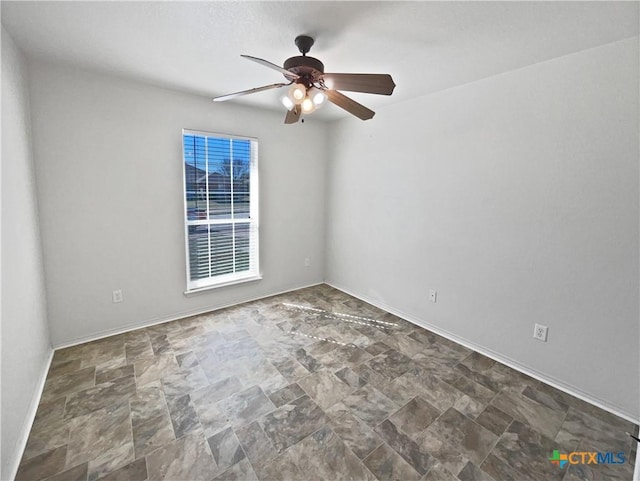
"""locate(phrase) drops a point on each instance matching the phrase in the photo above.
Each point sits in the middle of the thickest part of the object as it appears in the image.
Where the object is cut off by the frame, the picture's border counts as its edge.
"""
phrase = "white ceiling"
(425, 46)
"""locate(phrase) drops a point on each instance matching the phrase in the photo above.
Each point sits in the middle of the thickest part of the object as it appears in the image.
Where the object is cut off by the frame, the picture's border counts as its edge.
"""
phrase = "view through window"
(221, 208)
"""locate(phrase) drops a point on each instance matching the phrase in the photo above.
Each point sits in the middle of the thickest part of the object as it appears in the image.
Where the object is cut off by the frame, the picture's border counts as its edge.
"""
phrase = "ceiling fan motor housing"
(309, 69)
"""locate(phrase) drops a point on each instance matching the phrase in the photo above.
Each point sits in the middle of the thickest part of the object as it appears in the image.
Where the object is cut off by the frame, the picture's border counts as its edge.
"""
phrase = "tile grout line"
(494, 444)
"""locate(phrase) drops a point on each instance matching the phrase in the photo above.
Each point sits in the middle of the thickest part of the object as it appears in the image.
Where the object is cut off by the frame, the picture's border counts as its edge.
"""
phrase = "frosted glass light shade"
(287, 102)
(318, 97)
(297, 93)
(308, 106)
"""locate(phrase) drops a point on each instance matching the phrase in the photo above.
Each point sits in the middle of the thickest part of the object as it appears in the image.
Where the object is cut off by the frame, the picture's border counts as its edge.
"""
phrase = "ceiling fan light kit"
(310, 87)
(308, 99)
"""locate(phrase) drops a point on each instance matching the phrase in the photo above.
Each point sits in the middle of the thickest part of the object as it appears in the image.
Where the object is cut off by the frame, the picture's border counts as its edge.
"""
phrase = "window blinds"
(221, 208)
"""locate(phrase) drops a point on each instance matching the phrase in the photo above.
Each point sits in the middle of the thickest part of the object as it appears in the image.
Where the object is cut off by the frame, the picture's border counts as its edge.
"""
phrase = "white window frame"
(253, 273)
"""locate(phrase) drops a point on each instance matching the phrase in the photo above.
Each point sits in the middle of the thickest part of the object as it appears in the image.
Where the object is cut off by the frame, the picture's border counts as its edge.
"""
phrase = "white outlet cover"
(540, 332)
(433, 295)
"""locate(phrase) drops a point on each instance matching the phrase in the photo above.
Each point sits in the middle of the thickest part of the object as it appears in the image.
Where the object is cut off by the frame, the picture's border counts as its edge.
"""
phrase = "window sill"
(242, 280)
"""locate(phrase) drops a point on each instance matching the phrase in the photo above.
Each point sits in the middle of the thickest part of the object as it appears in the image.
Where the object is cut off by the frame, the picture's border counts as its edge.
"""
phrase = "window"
(221, 209)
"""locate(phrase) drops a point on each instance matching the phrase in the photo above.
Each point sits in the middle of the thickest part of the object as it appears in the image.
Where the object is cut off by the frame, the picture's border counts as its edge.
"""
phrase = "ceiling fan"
(310, 87)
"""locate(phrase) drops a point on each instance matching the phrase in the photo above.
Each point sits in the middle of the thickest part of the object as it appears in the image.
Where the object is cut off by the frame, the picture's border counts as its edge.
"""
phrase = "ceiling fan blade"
(293, 115)
(247, 92)
(370, 83)
(289, 75)
(349, 105)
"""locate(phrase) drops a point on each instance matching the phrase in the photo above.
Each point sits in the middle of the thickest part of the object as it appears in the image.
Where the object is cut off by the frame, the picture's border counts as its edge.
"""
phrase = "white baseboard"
(545, 378)
(173, 317)
(21, 442)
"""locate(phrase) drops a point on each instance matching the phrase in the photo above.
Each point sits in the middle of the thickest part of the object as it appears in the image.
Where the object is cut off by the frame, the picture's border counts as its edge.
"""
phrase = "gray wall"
(108, 155)
(516, 197)
(26, 348)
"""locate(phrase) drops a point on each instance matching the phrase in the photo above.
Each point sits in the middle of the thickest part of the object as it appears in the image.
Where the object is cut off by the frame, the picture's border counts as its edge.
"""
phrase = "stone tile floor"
(269, 391)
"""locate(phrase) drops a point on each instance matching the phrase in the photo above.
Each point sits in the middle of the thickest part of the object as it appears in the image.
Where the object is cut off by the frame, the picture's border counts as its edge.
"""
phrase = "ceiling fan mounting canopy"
(304, 43)
(311, 82)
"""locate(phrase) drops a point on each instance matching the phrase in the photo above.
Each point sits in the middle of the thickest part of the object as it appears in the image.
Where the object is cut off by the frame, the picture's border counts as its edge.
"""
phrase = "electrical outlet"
(116, 296)
(433, 295)
(540, 332)
(307, 262)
